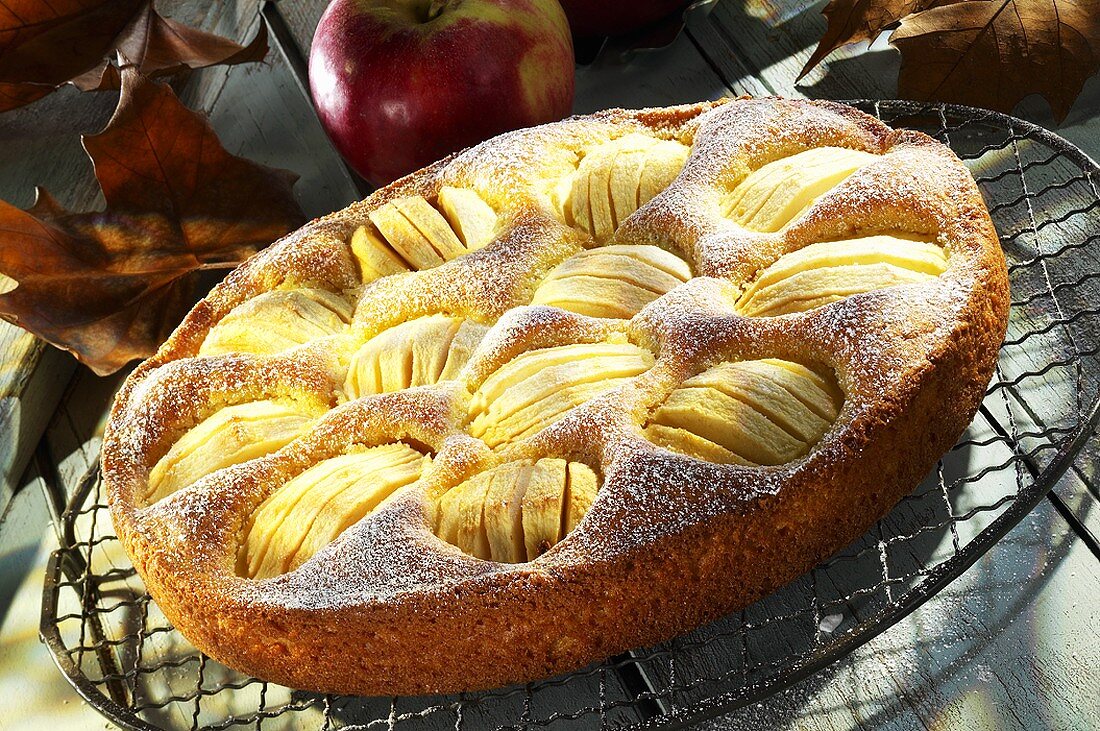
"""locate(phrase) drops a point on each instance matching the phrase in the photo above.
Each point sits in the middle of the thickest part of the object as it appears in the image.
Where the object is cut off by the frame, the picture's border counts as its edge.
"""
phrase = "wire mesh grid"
(122, 655)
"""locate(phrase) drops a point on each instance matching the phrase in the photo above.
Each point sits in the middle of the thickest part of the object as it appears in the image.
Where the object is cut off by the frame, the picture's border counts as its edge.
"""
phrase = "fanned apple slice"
(595, 296)
(826, 272)
(342, 510)
(817, 389)
(763, 412)
(419, 352)
(683, 441)
(229, 436)
(517, 511)
(543, 505)
(626, 177)
(503, 516)
(432, 225)
(470, 216)
(461, 520)
(538, 387)
(405, 238)
(599, 164)
(288, 318)
(577, 203)
(580, 492)
(314, 508)
(663, 162)
(612, 281)
(779, 192)
(411, 234)
(531, 418)
(376, 258)
(463, 345)
(615, 178)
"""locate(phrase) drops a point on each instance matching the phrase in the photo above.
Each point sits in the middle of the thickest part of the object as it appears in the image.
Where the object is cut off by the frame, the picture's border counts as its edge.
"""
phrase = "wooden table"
(1014, 643)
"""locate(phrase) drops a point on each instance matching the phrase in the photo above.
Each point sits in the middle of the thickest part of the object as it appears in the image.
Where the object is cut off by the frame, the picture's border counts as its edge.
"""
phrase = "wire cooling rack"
(121, 654)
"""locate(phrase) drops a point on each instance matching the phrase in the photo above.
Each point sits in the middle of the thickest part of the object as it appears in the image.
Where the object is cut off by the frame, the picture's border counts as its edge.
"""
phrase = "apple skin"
(590, 18)
(397, 89)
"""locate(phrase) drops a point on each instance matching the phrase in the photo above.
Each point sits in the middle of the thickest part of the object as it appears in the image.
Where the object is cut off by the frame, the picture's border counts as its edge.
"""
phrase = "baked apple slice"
(469, 215)
(777, 193)
(376, 258)
(503, 516)
(542, 506)
(419, 352)
(516, 512)
(580, 492)
(617, 177)
(404, 236)
(460, 516)
(314, 508)
(538, 387)
(756, 412)
(229, 436)
(612, 281)
(432, 226)
(822, 273)
(290, 317)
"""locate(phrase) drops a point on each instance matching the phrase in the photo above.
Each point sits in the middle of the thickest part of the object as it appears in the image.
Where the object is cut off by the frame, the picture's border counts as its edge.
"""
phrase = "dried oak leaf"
(851, 21)
(44, 45)
(989, 53)
(993, 53)
(109, 286)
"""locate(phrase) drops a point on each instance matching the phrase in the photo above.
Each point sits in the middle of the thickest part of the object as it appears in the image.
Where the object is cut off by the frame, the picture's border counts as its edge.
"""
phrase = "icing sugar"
(874, 342)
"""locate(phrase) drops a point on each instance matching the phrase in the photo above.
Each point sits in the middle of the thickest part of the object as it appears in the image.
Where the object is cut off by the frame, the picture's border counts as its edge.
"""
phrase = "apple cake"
(572, 391)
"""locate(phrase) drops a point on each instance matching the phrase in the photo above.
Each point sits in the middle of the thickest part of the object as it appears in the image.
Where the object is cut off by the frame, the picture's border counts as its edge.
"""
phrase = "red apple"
(610, 17)
(399, 84)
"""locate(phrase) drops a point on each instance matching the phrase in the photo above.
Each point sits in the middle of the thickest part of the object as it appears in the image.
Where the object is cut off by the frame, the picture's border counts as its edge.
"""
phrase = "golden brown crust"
(671, 541)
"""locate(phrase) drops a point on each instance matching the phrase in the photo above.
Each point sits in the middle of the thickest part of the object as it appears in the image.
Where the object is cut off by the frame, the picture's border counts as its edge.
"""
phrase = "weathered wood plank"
(1079, 492)
(774, 39)
(40, 145)
(675, 74)
(302, 17)
(711, 41)
(1003, 647)
(277, 127)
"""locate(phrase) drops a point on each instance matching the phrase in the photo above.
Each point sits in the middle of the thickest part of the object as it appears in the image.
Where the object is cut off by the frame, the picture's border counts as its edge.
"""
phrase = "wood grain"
(1009, 645)
(774, 39)
(302, 19)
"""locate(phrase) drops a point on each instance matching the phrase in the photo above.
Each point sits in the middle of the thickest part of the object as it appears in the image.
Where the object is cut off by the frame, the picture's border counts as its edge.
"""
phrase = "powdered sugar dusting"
(881, 345)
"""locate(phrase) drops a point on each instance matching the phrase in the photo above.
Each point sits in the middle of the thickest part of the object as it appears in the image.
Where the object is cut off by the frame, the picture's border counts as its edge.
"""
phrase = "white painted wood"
(1009, 645)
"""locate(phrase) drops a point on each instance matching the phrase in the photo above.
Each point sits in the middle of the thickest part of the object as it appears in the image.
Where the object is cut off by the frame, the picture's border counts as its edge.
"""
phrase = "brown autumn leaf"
(993, 53)
(44, 45)
(109, 286)
(851, 21)
(987, 53)
(18, 95)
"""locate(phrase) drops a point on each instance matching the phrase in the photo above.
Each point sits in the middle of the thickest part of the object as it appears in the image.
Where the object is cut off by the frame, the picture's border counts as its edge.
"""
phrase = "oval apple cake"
(572, 391)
